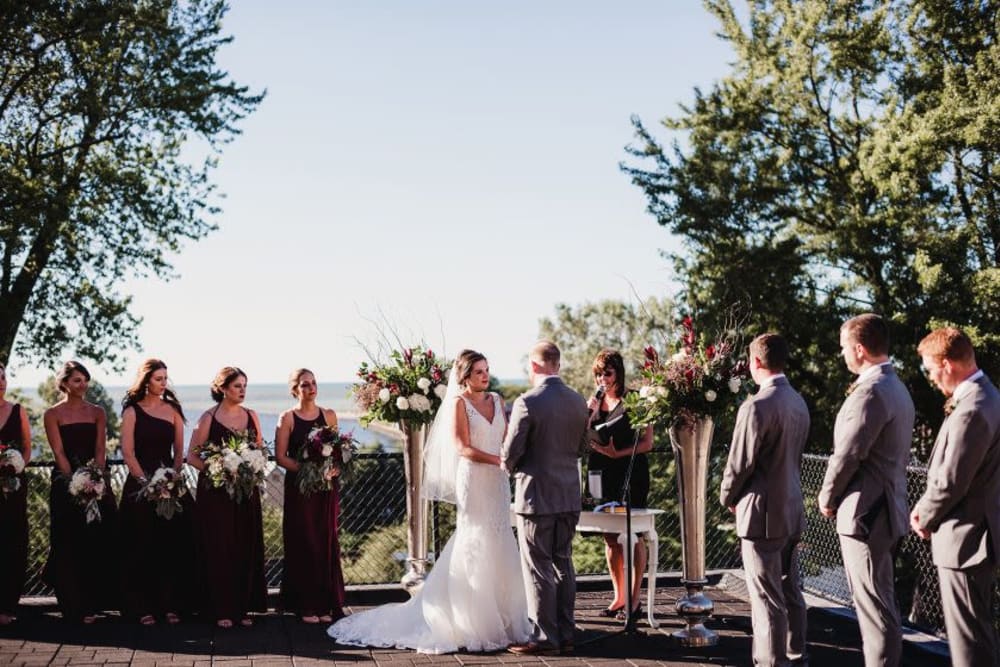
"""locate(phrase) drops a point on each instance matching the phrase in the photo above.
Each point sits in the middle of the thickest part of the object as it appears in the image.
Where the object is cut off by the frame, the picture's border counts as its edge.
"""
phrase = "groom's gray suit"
(546, 437)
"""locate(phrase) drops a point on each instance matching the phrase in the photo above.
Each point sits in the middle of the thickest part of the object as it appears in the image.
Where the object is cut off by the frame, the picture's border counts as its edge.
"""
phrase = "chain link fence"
(373, 530)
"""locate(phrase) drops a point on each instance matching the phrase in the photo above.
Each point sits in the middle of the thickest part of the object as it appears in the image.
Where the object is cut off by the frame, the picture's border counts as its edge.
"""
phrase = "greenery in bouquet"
(235, 464)
(326, 454)
(698, 377)
(408, 387)
(11, 465)
(87, 486)
(165, 489)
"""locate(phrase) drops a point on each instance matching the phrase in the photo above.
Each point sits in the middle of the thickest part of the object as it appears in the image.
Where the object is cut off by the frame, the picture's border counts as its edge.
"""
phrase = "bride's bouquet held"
(87, 486)
(236, 464)
(165, 489)
(409, 387)
(11, 465)
(326, 454)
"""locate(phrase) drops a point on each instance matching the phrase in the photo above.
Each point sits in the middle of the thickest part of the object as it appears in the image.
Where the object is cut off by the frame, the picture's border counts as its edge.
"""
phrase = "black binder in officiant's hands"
(617, 428)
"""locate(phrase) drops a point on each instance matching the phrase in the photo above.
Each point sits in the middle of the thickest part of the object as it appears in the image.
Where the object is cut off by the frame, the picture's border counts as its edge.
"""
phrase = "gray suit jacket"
(546, 437)
(764, 471)
(871, 447)
(961, 505)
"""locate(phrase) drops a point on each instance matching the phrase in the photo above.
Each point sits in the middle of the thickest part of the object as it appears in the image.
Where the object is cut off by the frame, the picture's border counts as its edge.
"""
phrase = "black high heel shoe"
(611, 613)
(636, 613)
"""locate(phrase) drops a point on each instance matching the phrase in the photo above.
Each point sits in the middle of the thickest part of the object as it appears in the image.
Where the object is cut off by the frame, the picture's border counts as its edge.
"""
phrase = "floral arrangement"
(165, 489)
(11, 465)
(700, 377)
(409, 387)
(327, 454)
(235, 464)
(87, 487)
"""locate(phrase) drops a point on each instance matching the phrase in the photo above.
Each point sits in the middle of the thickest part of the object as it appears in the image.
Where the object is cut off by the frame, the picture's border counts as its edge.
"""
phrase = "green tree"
(583, 331)
(102, 105)
(847, 163)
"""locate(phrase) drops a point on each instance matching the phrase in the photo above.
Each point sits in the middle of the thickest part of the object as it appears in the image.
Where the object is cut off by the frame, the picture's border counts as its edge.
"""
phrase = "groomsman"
(960, 510)
(865, 483)
(762, 485)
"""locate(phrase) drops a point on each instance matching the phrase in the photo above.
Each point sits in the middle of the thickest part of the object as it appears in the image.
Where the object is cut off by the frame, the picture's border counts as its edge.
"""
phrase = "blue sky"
(453, 165)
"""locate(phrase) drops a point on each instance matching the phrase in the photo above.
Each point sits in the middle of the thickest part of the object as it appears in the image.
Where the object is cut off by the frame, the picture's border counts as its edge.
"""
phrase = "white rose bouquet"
(165, 489)
(87, 486)
(11, 465)
(235, 464)
(408, 387)
(326, 454)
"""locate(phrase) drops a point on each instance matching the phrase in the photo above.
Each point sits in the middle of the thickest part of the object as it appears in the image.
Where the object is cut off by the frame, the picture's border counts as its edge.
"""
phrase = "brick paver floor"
(39, 637)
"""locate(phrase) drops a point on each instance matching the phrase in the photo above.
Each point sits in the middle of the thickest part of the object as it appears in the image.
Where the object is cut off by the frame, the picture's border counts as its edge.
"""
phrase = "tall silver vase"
(416, 507)
(691, 445)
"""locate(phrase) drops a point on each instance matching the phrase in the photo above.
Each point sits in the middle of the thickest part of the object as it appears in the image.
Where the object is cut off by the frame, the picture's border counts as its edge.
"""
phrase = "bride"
(474, 597)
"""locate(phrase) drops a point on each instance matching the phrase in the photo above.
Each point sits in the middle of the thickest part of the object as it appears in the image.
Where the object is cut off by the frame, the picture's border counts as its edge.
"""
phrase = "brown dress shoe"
(533, 648)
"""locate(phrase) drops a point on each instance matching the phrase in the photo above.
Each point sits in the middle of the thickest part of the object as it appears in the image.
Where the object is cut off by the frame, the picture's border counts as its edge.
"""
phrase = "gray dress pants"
(966, 596)
(546, 542)
(777, 608)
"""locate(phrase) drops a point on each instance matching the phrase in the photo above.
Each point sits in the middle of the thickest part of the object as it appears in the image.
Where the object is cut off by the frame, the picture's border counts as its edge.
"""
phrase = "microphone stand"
(630, 628)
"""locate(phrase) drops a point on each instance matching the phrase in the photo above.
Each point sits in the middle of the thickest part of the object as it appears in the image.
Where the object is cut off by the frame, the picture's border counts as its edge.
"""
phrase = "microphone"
(599, 393)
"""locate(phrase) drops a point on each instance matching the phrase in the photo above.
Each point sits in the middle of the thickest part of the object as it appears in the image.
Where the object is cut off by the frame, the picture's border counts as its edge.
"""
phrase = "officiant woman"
(610, 455)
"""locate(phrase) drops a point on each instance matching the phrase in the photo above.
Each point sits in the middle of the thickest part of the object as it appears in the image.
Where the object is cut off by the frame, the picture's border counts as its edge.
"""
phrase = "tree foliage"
(847, 163)
(102, 103)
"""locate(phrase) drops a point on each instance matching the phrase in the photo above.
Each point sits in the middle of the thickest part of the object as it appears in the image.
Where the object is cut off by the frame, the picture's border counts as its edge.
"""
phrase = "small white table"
(644, 522)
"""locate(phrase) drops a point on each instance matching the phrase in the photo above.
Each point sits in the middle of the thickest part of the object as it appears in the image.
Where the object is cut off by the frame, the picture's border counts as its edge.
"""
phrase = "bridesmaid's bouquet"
(326, 454)
(235, 464)
(165, 489)
(11, 465)
(87, 487)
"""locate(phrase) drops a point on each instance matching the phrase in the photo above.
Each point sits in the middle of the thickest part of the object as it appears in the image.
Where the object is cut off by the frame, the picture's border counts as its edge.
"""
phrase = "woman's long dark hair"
(137, 391)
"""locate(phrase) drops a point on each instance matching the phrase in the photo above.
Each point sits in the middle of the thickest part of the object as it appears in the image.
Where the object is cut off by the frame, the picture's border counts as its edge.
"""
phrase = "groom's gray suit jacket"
(548, 433)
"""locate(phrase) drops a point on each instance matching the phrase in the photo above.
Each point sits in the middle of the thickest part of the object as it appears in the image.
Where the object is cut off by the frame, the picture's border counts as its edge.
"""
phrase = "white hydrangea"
(679, 356)
(734, 384)
(402, 403)
(384, 394)
(710, 396)
(77, 482)
(423, 384)
(644, 391)
(327, 450)
(440, 390)
(159, 476)
(255, 459)
(13, 458)
(231, 461)
(420, 403)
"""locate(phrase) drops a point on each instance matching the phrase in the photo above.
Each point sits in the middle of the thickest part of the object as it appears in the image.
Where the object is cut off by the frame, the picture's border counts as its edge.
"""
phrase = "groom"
(546, 436)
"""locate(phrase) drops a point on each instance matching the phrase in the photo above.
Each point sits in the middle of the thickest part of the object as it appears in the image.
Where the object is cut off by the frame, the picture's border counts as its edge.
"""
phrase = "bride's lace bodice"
(474, 596)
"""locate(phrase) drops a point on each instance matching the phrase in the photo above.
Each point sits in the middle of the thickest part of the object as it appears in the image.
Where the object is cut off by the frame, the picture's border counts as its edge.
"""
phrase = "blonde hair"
(293, 380)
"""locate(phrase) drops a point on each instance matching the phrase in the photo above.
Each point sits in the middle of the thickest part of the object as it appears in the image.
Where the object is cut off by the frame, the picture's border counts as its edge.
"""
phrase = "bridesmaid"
(312, 584)
(79, 552)
(152, 436)
(229, 535)
(14, 432)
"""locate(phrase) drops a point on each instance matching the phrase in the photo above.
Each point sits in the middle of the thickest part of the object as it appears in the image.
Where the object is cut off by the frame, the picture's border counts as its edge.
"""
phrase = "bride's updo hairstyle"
(293, 380)
(464, 362)
(223, 379)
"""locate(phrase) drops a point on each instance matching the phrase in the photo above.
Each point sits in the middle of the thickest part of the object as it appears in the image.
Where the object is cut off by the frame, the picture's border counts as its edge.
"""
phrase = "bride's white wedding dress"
(474, 597)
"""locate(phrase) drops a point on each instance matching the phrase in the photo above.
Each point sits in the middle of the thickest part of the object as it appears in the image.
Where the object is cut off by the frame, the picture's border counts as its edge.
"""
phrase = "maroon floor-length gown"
(312, 583)
(13, 525)
(82, 562)
(231, 544)
(156, 551)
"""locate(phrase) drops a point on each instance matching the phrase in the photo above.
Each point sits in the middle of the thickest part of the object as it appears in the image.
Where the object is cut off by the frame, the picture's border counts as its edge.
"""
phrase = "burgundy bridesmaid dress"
(156, 551)
(231, 545)
(82, 556)
(312, 583)
(13, 525)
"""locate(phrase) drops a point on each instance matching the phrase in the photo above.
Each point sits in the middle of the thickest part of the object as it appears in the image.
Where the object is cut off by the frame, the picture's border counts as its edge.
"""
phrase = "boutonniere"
(850, 389)
(949, 406)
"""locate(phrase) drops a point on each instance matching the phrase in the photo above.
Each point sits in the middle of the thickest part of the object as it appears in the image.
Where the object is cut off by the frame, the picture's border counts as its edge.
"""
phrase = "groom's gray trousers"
(547, 562)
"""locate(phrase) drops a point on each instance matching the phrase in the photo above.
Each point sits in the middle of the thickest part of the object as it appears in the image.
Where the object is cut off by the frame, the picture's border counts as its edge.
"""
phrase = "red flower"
(710, 352)
(650, 353)
(429, 354)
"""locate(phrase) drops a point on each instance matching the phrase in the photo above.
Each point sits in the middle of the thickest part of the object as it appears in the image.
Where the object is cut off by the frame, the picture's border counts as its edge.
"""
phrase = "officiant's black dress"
(312, 583)
(156, 551)
(13, 525)
(82, 556)
(230, 543)
(613, 470)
